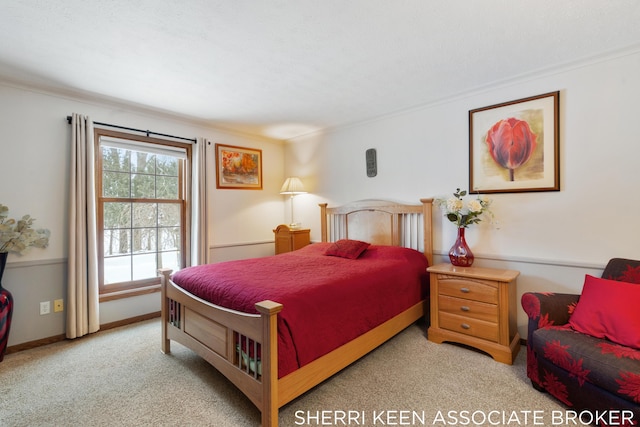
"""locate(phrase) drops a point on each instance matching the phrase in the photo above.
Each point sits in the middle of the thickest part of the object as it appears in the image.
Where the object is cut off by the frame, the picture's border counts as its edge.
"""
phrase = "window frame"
(141, 286)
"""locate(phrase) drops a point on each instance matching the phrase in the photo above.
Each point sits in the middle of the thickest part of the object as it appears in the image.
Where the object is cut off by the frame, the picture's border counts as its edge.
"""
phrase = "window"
(141, 209)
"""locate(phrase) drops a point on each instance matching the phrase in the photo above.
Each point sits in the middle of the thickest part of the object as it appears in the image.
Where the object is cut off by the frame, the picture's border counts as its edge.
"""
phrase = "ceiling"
(283, 68)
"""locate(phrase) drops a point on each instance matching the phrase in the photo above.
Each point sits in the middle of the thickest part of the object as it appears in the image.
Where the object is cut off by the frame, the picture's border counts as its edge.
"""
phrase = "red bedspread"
(327, 301)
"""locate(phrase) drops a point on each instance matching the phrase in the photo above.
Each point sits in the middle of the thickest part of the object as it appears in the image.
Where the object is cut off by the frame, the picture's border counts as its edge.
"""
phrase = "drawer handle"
(465, 308)
(465, 290)
(465, 326)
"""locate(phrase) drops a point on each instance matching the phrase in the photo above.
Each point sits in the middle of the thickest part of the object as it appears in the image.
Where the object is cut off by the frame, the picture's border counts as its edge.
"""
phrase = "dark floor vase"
(6, 309)
(460, 253)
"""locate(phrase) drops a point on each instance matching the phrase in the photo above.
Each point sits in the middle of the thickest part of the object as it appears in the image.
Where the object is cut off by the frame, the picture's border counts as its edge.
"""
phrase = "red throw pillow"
(346, 248)
(609, 309)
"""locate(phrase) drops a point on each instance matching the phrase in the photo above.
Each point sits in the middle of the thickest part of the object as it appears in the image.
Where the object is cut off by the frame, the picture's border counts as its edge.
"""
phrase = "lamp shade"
(292, 185)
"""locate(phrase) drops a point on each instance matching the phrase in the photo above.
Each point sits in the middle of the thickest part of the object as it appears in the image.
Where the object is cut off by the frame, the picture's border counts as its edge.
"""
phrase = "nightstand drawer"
(464, 288)
(468, 326)
(468, 308)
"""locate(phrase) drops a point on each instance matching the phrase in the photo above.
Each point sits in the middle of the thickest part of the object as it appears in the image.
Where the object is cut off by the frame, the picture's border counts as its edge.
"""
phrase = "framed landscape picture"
(514, 147)
(238, 167)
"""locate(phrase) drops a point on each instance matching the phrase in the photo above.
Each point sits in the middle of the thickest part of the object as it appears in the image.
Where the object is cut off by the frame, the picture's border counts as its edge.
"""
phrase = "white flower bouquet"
(463, 212)
(19, 236)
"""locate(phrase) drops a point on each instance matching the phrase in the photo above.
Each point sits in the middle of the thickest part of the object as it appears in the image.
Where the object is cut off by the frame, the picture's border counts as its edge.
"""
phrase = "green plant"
(19, 236)
(462, 212)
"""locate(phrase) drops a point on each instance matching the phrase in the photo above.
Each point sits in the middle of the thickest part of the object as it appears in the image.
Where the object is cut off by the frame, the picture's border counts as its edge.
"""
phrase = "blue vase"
(6, 309)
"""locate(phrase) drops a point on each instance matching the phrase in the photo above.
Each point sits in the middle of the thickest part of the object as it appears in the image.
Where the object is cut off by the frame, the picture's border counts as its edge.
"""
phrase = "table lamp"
(293, 186)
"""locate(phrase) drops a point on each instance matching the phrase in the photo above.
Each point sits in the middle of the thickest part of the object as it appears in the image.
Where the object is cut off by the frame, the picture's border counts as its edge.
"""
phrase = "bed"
(276, 348)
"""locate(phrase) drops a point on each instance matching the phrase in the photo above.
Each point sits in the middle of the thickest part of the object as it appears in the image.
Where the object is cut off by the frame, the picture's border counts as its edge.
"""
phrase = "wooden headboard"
(380, 222)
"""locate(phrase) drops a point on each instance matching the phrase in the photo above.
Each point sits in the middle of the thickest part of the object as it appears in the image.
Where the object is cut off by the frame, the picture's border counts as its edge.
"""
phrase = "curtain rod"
(148, 132)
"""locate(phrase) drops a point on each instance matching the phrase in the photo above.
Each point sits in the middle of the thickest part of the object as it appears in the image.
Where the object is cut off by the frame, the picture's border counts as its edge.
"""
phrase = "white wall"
(553, 238)
(34, 164)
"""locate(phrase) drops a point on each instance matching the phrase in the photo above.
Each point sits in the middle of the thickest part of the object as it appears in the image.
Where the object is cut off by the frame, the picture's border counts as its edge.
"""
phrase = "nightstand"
(289, 239)
(475, 307)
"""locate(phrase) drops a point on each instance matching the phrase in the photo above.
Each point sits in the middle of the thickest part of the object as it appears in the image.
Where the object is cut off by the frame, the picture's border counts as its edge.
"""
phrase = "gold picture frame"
(514, 146)
(238, 168)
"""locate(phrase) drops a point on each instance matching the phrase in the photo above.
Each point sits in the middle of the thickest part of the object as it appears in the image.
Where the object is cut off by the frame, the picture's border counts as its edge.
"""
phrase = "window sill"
(111, 296)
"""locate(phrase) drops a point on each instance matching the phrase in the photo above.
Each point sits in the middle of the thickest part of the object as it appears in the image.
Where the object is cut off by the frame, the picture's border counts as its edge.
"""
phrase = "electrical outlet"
(45, 307)
(58, 305)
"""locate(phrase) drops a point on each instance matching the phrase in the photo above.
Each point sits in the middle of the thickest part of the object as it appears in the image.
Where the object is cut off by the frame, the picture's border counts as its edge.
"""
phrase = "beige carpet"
(119, 377)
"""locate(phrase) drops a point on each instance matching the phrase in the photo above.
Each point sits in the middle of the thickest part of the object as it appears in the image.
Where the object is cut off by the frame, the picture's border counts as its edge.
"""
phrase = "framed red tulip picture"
(514, 147)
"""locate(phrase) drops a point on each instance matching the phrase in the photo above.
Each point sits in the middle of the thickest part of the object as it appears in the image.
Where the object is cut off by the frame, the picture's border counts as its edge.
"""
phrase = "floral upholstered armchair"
(585, 349)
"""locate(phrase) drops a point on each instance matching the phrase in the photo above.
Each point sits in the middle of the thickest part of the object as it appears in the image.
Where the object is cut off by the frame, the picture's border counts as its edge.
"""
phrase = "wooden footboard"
(229, 340)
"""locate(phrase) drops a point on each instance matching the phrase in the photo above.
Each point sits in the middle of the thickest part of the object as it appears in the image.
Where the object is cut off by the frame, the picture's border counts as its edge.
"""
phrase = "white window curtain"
(199, 200)
(82, 287)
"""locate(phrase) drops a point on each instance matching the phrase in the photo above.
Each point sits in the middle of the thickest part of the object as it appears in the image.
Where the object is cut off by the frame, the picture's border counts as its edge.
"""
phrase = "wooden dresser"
(289, 239)
(475, 307)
